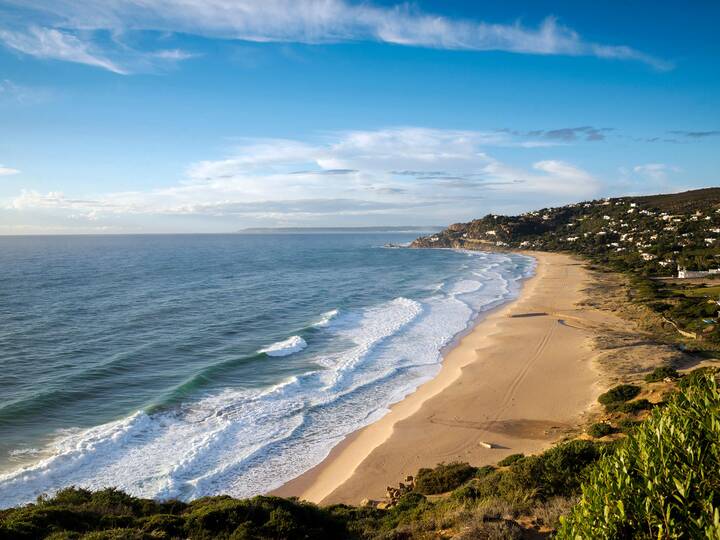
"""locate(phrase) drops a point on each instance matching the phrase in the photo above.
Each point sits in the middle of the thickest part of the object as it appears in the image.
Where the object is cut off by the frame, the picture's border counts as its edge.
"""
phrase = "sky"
(204, 116)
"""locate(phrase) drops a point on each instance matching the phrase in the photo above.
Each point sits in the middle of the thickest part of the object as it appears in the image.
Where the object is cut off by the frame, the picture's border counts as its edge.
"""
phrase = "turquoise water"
(181, 366)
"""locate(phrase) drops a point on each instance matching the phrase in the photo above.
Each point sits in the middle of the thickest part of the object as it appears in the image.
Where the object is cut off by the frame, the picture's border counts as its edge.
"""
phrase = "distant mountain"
(341, 230)
(651, 235)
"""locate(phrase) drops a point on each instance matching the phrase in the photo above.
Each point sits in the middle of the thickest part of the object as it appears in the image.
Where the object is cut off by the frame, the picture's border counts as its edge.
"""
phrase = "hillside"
(651, 235)
(646, 238)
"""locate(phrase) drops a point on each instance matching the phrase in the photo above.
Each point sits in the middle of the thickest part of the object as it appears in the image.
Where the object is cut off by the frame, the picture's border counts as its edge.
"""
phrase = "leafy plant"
(627, 424)
(692, 378)
(663, 481)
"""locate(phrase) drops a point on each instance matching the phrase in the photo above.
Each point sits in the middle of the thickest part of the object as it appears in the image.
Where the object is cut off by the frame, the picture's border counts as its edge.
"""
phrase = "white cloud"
(57, 45)
(173, 54)
(7, 171)
(11, 92)
(419, 173)
(317, 21)
(655, 171)
(561, 169)
(81, 48)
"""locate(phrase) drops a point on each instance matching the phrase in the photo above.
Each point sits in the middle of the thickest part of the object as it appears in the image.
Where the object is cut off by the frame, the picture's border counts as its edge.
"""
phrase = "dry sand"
(520, 380)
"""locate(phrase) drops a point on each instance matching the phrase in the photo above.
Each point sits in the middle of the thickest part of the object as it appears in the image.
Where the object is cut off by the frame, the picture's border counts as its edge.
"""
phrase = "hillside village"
(651, 238)
(653, 235)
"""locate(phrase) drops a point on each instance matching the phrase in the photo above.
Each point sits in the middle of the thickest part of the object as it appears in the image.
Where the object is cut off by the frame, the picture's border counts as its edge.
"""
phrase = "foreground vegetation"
(661, 481)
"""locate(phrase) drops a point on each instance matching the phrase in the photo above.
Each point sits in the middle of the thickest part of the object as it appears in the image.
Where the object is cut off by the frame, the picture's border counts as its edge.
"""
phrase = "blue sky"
(214, 115)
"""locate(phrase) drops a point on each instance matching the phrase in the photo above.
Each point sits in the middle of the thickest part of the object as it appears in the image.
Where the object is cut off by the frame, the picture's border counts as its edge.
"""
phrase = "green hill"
(647, 238)
(651, 235)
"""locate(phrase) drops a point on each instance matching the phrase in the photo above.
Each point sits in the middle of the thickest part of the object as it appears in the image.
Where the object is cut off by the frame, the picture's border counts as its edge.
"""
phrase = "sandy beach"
(520, 380)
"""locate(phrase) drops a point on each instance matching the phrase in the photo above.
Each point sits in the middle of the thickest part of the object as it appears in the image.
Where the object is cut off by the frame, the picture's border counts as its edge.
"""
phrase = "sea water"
(184, 366)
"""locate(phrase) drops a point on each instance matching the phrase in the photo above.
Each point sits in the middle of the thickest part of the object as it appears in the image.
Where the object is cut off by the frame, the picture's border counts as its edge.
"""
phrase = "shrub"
(111, 514)
(661, 373)
(163, 524)
(484, 471)
(663, 481)
(557, 471)
(563, 466)
(619, 394)
(443, 478)
(601, 429)
(633, 407)
(509, 460)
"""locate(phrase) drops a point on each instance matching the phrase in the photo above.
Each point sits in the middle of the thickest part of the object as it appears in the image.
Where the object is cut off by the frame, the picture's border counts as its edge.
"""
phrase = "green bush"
(601, 429)
(634, 407)
(484, 471)
(443, 478)
(557, 471)
(663, 480)
(111, 514)
(661, 373)
(619, 394)
(162, 525)
(509, 460)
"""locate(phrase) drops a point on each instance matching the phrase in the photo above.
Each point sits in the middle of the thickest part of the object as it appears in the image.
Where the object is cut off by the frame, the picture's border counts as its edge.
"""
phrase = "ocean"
(192, 365)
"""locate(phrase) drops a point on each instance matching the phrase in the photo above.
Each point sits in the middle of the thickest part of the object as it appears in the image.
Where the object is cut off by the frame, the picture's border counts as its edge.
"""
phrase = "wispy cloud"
(588, 133)
(566, 134)
(7, 171)
(83, 47)
(696, 134)
(655, 171)
(389, 172)
(647, 178)
(11, 92)
(57, 45)
(305, 21)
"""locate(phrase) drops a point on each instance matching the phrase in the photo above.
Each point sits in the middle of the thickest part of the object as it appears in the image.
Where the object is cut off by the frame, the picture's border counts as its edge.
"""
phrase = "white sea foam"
(326, 318)
(24, 452)
(465, 286)
(285, 348)
(245, 442)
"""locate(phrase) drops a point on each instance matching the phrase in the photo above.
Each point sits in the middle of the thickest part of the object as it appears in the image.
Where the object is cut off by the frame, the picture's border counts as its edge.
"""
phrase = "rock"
(368, 503)
(383, 505)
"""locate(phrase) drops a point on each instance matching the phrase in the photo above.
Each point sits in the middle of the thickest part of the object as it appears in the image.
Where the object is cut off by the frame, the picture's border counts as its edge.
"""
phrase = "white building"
(684, 273)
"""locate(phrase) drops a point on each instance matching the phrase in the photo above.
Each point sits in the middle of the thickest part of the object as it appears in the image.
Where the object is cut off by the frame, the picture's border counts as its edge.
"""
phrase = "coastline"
(520, 379)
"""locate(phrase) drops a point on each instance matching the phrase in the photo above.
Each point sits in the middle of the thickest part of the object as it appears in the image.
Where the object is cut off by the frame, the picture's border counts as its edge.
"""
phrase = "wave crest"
(285, 348)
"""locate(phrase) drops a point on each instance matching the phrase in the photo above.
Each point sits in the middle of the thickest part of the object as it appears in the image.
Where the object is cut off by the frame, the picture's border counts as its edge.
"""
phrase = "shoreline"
(432, 424)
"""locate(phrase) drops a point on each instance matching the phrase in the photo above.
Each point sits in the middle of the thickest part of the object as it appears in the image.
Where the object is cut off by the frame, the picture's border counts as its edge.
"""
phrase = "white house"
(684, 273)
